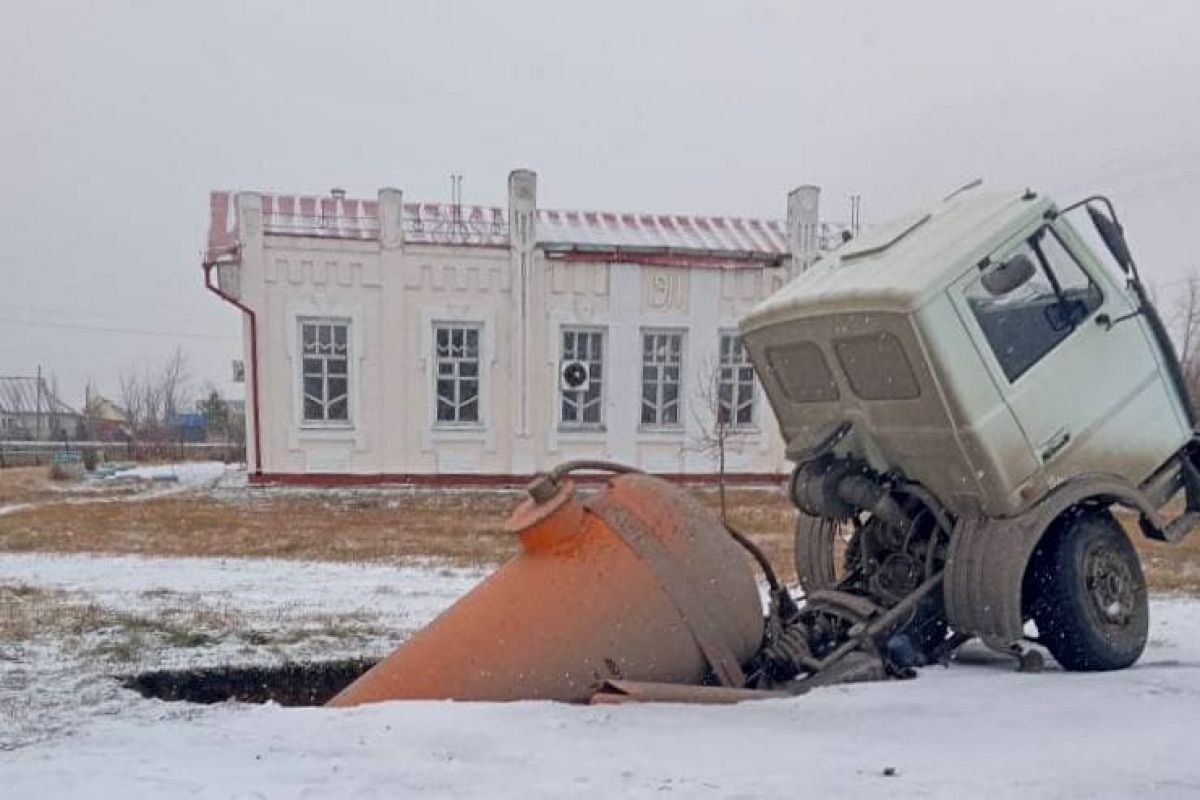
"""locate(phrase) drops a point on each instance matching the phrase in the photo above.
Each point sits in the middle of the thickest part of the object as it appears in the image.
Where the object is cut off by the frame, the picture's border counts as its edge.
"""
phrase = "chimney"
(391, 211)
(522, 207)
(803, 205)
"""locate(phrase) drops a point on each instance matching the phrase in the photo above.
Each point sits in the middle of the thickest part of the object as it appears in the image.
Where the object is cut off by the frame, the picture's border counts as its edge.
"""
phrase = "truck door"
(1089, 395)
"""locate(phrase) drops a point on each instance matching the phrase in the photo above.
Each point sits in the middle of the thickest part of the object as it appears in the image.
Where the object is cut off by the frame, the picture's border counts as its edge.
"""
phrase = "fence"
(30, 454)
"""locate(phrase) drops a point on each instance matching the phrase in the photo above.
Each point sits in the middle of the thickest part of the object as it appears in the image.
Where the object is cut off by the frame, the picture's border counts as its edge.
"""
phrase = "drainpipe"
(212, 287)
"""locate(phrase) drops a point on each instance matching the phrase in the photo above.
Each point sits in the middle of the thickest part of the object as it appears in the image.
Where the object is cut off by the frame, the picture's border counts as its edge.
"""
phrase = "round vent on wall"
(575, 377)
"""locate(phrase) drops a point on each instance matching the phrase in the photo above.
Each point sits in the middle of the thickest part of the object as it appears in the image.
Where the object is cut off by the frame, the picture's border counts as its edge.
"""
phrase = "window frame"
(437, 359)
(658, 425)
(324, 422)
(735, 381)
(1032, 242)
(572, 426)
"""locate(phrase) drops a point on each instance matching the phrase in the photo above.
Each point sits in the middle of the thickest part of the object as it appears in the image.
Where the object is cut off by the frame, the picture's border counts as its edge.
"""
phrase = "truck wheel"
(821, 551)
(1089, 594)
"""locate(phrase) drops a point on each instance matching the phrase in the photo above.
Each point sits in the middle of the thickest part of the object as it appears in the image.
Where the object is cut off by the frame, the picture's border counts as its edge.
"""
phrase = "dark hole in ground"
(294, 684)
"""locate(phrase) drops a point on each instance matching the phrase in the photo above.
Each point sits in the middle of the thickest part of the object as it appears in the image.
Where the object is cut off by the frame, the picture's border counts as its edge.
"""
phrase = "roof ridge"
(657, 215)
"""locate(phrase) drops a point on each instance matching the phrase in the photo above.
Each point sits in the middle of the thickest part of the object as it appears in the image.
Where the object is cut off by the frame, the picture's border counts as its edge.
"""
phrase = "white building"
(418, 342)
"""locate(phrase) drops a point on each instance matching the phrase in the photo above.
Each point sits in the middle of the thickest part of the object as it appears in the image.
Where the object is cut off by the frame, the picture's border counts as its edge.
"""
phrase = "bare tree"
(130, 383)
(1186, 322)
(172, 384)
(152, 395)
(714, 411)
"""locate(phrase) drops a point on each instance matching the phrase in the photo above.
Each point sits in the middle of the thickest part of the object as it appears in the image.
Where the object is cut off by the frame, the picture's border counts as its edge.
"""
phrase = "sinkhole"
(307, 683)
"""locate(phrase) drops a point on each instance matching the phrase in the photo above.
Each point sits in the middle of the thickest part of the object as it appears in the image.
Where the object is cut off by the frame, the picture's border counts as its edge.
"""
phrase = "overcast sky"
(119, 118)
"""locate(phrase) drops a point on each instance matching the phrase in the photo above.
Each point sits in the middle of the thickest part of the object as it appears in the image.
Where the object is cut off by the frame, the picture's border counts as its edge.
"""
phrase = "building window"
(326, 367)
(581, 377)
(457, 381)
(735, 383)
(662, 380)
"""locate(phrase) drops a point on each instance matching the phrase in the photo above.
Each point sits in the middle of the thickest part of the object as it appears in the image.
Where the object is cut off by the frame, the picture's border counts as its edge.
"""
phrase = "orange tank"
(637, 583)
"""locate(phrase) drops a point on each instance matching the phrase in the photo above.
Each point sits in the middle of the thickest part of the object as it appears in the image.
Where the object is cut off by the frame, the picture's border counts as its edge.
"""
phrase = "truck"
(971, 391)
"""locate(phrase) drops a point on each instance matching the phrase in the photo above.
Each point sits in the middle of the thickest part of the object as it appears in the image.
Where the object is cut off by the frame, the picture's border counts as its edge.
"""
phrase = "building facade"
(394, 341)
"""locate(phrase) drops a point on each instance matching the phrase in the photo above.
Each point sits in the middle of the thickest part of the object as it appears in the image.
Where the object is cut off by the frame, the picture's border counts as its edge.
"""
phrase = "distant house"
(106, 421)
(29, 410)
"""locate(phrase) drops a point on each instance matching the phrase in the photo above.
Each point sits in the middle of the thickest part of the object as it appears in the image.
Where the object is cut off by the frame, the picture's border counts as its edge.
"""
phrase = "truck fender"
(988, 556)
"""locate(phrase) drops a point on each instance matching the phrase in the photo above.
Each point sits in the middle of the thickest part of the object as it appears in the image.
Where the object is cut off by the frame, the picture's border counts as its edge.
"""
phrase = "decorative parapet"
(678, 239)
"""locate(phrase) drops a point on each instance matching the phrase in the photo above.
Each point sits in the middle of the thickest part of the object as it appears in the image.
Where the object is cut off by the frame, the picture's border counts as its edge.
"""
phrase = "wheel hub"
(1111, 586)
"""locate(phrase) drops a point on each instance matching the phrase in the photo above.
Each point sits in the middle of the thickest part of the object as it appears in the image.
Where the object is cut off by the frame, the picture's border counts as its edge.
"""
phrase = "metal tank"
(636, 583)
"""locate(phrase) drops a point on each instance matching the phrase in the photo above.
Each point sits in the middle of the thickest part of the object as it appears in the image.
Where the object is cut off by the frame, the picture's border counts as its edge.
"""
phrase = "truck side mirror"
(1114, 238)
(1009, 275)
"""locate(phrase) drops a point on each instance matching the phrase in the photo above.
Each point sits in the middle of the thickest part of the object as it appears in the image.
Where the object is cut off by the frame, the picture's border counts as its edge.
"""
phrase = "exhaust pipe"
(838, 488)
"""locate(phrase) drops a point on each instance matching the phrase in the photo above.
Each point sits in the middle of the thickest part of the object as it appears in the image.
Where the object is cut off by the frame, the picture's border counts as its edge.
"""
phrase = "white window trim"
(456, 425)
(582, 429)
(484, 431)
(325, 424)
(591, 441)
(670, 429)
(752, 426)
(355, 428)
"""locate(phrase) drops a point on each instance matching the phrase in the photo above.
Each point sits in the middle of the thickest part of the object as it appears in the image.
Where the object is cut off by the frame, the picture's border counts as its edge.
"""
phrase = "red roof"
(564, 234)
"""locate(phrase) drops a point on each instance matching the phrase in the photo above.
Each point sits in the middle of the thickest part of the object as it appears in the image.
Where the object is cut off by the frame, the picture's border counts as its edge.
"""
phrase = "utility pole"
(37, 405)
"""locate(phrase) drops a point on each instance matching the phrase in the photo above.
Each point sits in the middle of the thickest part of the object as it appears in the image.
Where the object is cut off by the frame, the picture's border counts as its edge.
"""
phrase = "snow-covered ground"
(186, 474)
(976, 729)
(98, 616)
(139, 483)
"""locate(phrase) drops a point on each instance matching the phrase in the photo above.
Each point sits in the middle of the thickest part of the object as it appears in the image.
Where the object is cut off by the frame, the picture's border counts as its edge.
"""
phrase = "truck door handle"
(1055, 443)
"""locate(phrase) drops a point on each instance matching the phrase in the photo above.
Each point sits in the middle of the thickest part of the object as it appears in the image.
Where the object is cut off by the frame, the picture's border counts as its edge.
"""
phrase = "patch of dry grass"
(459, 527)
(34, 485)
(29, 613)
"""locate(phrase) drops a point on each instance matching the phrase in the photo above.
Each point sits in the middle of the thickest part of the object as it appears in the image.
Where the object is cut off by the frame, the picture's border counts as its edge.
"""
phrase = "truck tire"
(1088, 593)
(813, 553)
(825, 551)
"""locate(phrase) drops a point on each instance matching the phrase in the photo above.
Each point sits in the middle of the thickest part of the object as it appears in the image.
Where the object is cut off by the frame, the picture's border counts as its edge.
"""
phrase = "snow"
(185, 475)
(976, 729)
(251, 610)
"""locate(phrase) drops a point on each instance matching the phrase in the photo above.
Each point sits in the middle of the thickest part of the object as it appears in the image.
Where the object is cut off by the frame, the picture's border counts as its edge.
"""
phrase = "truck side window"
(1028, 322)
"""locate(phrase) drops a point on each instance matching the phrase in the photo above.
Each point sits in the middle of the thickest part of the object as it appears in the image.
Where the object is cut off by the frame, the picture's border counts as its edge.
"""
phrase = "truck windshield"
(1027, 323)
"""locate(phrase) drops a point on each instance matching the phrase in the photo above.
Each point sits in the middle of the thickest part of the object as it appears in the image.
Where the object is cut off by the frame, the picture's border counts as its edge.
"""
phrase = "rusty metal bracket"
(675, 586)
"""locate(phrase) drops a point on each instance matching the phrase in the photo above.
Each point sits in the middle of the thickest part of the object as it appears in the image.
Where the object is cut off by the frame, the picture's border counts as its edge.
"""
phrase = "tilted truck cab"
(982, 361)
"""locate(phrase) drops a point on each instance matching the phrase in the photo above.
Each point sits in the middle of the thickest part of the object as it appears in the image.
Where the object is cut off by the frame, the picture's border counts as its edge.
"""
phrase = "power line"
(114, 329)
(75, 313)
